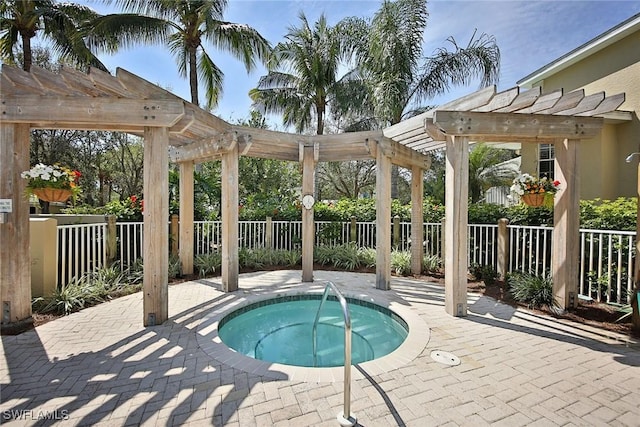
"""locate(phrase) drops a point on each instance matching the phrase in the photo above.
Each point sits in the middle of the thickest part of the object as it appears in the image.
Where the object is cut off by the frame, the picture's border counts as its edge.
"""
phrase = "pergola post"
(230, 212)
(15, 258)
(155, 250)
(383, 219)
(456, 212)
(185, 246)
(566, 230)
(417, 219)
(308, 227)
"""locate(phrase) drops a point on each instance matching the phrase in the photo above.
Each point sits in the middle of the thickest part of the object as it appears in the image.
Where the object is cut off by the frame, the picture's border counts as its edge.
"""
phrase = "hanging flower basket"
(52, 194)
(533, 199)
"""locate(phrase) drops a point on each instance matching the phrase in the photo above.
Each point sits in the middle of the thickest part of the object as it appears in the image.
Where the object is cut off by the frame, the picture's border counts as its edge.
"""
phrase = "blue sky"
(529, 33)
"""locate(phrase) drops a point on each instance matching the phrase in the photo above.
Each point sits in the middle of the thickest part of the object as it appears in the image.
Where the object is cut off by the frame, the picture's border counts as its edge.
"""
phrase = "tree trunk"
(193, 75)
(26, 51)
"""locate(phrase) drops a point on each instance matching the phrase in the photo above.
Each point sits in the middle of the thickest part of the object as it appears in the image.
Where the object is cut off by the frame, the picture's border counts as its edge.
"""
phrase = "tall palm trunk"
(193, 75)
(26, 50)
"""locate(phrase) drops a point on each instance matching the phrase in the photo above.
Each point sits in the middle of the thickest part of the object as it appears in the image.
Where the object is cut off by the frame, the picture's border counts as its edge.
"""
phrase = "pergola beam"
(498, 126)
(58, 110)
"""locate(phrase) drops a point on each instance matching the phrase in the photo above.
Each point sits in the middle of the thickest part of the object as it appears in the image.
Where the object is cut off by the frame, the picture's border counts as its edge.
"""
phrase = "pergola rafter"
(175, 129)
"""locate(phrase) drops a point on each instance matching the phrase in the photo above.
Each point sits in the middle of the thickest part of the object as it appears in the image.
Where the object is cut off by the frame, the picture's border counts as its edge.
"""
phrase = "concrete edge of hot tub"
(210, 342)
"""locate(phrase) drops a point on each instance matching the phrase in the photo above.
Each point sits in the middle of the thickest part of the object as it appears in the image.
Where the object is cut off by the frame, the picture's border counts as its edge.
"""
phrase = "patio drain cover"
(445, 358)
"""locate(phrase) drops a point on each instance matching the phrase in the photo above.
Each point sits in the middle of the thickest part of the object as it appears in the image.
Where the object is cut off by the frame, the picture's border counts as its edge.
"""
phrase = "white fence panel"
(81, 249)
(606, 257)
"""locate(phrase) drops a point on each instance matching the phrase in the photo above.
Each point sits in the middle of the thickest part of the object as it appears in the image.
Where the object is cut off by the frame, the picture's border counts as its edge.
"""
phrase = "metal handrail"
(345, 418)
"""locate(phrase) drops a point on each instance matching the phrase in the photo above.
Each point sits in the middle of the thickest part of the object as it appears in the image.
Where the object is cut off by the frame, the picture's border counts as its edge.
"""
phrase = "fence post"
(112, 239)
(175, 221)
(442, 239)
(268, 233)
(396, 231)
(352, 230)
(503, 248)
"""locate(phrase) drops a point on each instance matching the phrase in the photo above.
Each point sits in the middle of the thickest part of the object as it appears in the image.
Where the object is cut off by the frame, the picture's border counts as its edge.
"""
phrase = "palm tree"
(302, 81)
(390, 61)
(59, 23)
(184, 26)
(487, 168)
(394, 76)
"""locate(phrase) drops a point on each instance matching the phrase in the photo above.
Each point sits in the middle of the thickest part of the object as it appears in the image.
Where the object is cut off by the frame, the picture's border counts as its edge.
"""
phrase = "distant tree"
(486, 170)
(392, 78)
(61, 24)
(347, 179)
(184, 27)
(303, 76)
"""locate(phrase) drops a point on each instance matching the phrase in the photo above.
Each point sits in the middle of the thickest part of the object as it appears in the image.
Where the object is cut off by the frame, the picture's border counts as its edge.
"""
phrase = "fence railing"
(606, 257)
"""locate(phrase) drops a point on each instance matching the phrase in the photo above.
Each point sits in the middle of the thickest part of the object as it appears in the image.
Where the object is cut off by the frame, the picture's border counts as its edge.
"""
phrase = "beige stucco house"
(610, 63)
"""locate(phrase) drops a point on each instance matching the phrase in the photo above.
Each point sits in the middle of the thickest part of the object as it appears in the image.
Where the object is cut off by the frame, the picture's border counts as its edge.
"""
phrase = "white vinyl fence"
(606, 257)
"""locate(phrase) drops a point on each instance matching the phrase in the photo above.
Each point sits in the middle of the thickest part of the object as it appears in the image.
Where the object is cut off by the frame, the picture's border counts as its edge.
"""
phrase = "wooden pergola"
(174, 129)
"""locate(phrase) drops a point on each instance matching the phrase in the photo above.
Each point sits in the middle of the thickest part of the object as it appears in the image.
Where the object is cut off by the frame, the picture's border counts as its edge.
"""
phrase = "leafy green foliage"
(90, 289)
(619, 214)
(535, 291)
(486, 273)
(431, 264)
(207, 264)
(401, 262)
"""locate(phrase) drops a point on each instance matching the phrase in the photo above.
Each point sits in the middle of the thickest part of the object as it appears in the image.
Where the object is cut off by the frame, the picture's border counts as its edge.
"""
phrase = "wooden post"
(566, 225)
(15, 257)
(383, 216)
(308, 227)
(417, 219)
(456, 211)
(268, 233)
(353, 230)
(503, 248)
(112, 238)
(174, 234)
(230, 213)
(155, 251)
(396, 231)
(186, 217)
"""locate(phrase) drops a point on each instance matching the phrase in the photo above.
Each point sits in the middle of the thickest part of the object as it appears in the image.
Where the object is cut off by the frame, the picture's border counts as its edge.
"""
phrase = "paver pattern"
(101, 367)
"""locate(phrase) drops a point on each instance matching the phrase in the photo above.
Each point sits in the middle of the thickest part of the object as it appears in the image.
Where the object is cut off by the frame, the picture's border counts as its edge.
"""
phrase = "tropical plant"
(535, 291)
(487, 168)
(61, 24)
(185, 27)
(302, 79)
(392, 78)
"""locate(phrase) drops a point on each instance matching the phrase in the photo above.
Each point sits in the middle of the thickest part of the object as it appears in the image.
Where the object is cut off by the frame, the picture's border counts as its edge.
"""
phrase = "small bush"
(207, 263)
(431, 264)
(401, 262)
(535, 291)
(486, 273)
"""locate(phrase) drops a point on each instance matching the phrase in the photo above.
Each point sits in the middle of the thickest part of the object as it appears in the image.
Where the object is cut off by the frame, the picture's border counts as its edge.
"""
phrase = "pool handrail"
(345, 418)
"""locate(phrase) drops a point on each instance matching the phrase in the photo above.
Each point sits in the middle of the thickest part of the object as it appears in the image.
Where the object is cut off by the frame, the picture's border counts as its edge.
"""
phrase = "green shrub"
(619, 214)
(486, 273)
(431, 264)
(368, 257)
(535, 291)
(401, 262)
(207, 264)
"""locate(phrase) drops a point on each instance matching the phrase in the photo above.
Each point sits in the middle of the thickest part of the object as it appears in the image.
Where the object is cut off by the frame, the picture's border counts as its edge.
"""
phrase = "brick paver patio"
(102, 367)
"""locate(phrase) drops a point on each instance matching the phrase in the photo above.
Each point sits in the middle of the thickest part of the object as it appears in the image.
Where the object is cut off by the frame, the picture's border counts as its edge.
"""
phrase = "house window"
(547, 160)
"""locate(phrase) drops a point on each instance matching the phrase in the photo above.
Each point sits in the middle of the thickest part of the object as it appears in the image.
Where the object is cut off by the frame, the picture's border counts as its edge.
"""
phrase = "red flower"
(556, 183)
(133, 199)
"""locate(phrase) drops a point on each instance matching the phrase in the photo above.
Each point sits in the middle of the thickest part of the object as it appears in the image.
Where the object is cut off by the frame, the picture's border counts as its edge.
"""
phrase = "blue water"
(282, 332)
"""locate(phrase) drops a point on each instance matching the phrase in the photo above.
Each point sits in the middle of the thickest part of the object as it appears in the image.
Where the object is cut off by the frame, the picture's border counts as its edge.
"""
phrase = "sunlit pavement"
(102, 367)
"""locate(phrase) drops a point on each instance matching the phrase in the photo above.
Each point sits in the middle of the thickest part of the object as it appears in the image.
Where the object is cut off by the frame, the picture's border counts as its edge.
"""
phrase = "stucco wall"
(615, 69)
